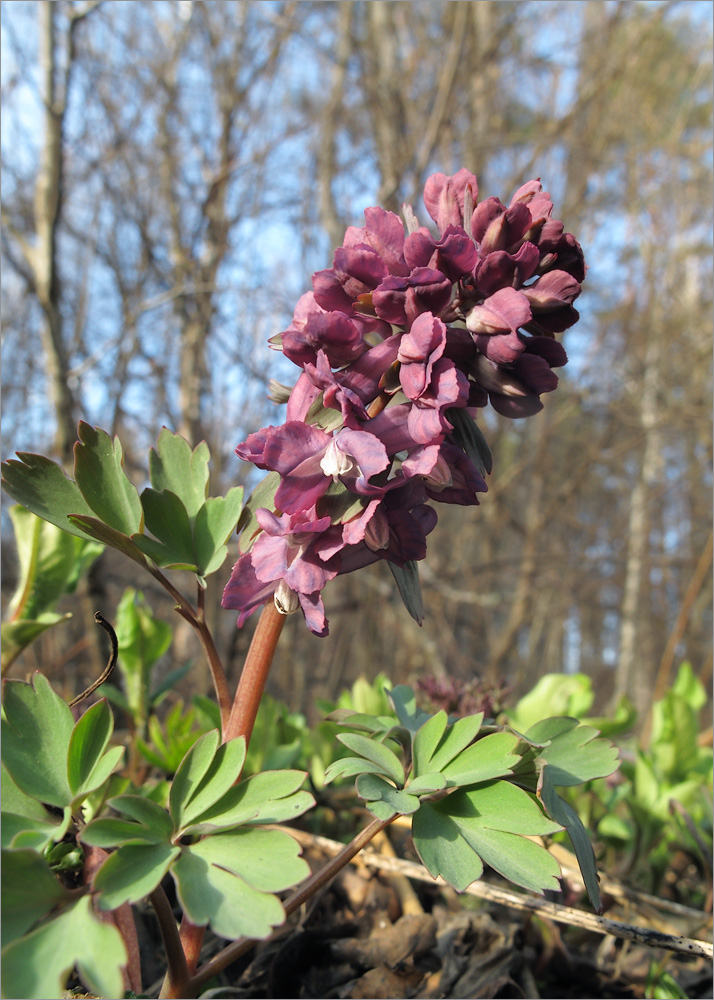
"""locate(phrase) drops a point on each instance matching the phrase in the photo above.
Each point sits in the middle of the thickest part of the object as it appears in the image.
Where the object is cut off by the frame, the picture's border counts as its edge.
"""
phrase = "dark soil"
(356, 941)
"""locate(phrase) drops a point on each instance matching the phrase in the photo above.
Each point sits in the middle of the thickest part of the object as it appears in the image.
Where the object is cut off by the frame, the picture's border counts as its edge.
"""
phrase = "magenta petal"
(292, 444)
(314, 611)
(301, 399)
(505, 310)
(367, 450)
(306, 576)
(269, 558)
(503, 349)
(244, 592)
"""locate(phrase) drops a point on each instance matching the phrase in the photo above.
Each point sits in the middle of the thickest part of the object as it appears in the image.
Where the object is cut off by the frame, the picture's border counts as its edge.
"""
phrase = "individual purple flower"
(494, 324)
(418, 351)
(506, 270)
(384, 233)
(444, 197)
(515, 391)
(454, 254)
(400, 300)
(283, 559)
(314, 329)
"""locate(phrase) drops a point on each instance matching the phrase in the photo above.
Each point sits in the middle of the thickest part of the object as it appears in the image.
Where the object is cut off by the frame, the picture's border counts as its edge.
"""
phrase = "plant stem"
(177, 980)
(254, 674)
(308, 889)
(191, 940)
(197, 621)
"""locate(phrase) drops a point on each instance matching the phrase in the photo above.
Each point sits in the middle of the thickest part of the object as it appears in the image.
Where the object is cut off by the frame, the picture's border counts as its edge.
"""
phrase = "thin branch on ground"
(554, 911)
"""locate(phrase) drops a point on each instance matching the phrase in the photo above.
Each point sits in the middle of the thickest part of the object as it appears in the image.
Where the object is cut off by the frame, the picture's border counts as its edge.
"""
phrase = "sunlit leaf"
(99, 473)
(173, 466)
(211, 895)
(29, 892)
(489, 823)
(35, 737)
(39, 964)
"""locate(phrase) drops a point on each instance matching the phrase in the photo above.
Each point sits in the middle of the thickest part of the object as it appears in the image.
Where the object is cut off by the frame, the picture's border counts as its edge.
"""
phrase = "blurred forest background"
(174, 171)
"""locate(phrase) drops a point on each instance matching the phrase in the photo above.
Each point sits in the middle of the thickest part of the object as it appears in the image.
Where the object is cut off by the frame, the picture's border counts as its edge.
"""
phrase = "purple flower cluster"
(399, 342)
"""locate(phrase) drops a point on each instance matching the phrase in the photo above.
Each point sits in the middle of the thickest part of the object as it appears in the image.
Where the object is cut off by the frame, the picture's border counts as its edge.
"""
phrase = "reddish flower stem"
(254, 674)
(240, 723)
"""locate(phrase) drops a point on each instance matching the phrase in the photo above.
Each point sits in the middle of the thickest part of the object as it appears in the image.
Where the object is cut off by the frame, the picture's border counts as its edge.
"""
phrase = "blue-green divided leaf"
(490, 757)
(458, 736)
(384, 800)
(88, 766)
(404, 701)
(21, 832)
(427, 784)
(99, 474)
(215, 522)
(211, 895)
(574, 754)
(35, 738)
(350, 719)
(25, 822)
(173, 466)
(41, 486)
(268, 860)
(563, 813)
(407, 580)
(191, 772)
(262, 496)
(148, 823)
(469, 437)
(39, 964)
(426, 740)
(222, 774)
(490, 823)
(167, 519)
(29, 892)
(268, 797)
(346, 767)
(133, 872)
(376, 752)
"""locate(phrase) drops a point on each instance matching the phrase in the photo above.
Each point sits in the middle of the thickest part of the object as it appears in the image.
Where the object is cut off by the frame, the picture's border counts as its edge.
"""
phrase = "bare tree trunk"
(634, 677)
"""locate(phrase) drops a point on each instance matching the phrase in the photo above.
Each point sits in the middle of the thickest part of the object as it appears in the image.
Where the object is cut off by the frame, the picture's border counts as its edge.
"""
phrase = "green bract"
(188, 529)
(228, 877)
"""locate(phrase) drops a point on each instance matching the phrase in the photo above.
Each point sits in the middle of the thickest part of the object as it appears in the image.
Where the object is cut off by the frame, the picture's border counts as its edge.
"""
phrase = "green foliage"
(661, 799)
(143, 640)
(664, 801)
(228, 878)
(37, 964)
(48, 757)
(51, 562)
(51, 766)
(188, 529)
(476, 793)
(568, 694)
(170, 740)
